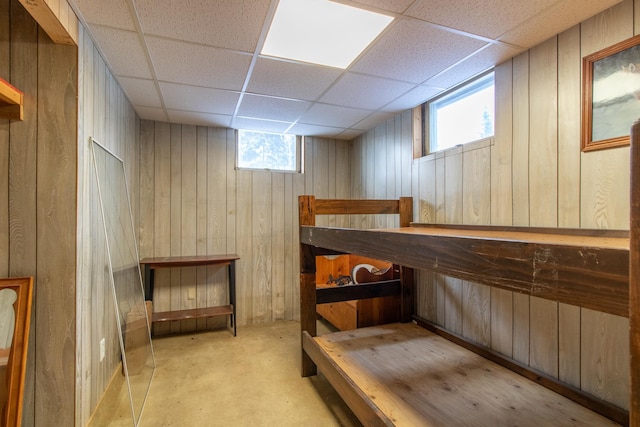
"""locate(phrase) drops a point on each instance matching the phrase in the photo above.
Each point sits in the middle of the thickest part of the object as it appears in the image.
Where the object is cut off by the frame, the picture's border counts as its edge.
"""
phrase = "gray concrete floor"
(215, 379)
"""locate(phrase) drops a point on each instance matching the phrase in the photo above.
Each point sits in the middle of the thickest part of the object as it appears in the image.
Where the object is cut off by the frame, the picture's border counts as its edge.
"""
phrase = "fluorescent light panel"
(322, 32)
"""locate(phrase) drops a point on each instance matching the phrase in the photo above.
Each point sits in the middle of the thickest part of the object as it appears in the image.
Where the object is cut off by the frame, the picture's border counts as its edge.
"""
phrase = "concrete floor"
(215, 379)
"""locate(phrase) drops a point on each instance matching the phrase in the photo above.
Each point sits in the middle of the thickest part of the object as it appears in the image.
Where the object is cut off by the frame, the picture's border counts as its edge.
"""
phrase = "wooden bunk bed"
(418, 373)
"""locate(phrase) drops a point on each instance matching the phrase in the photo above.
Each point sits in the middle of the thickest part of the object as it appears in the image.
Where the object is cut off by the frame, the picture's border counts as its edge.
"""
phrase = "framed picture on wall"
(610, 95)
(15, 319)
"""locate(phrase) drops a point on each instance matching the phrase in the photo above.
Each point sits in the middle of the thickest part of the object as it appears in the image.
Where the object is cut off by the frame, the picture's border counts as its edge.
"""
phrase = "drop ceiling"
(198, 61)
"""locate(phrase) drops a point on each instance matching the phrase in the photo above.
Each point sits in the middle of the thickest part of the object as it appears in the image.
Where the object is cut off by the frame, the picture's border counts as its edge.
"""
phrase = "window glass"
(462, 115)
(272, 151)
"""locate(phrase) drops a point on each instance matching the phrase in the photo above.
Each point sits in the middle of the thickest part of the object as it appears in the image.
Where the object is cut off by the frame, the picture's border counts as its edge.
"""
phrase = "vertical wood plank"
(5, 71)
(176, 220)
(427, 191)
(476, 187)
(23, 149)
(162, 220)
(605, 357)
(543, 147)
(453, 304)
(188, 217)
(262, 287)
(569, 71)
(521, 327)
(201, 219)
(277, 246)
(56, 231)
(569, 344)
(231, 212)
(453, 174)
(298, 189)
(440, 189)
(544, 336)
(217, 226)
(244, 242)
(147, 187)
(502, 321)
(501, 151)
(520, 166)
(343, 178)
(291, 277)
(476, 318)
(405, 155)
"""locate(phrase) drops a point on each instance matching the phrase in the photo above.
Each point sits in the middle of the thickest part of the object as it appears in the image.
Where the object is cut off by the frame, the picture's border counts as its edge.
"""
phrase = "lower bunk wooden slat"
(405, 375)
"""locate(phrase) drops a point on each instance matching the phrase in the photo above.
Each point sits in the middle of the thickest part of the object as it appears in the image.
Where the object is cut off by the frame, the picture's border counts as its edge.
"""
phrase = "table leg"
(232, 294)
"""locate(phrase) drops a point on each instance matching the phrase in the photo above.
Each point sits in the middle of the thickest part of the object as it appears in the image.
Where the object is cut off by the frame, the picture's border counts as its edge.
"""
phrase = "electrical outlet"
(102, 349)
(191, 293)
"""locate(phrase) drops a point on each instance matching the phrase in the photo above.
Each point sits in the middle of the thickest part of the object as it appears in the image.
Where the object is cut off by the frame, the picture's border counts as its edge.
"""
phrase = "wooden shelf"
(195, 313)
(11, 100)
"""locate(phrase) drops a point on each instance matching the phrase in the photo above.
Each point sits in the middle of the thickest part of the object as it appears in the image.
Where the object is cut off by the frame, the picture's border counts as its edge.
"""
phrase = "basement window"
(278, 152)
(461, 115)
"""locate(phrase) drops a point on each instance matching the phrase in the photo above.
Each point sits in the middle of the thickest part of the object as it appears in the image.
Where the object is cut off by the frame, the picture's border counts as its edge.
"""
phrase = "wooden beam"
(585, 274)
(60, 22)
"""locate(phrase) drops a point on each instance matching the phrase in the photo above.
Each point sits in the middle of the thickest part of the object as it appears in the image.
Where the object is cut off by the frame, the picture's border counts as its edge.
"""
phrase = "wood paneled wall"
(104, 114)
(38, 209)
(531, 174)
(194, 201)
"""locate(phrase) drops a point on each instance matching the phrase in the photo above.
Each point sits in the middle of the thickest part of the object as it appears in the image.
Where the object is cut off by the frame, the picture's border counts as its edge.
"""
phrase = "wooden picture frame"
(610, 95)
(15, 304)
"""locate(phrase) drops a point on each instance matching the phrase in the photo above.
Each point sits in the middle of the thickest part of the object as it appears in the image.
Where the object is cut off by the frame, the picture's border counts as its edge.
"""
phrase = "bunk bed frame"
(421, 374)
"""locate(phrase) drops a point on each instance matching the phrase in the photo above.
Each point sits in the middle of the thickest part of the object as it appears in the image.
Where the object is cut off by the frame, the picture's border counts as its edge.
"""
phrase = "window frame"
(466, 88)
(299, 153)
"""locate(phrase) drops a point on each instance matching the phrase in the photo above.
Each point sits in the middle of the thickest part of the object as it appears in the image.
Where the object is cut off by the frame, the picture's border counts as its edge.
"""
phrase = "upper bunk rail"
(355, 207)
(309, 207)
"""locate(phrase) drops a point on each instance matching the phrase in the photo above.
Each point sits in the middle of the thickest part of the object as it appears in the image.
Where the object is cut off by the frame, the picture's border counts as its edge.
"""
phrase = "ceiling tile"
(198, 99)
(134, 63)
(366, 92)
(415, 96)
(271, 108)
(554, 20)
(395, 6)
(290, 79)
(412, 51)
(372, 121)
(141, 92)
(199, 119)
(488, 18)
(332, 115)
(348, 134)
(109, 13)
(151, 113)
(260, 125)
(315, 130)
(197, 65)
(230, 24)
(481, 61)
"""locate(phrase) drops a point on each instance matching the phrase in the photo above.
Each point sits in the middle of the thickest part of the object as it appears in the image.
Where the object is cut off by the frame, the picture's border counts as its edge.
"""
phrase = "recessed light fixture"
(322, 32)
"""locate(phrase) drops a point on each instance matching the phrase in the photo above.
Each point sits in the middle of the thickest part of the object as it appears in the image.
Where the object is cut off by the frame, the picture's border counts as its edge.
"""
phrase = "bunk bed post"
(634, 277)
(407, 275)
(308, 316)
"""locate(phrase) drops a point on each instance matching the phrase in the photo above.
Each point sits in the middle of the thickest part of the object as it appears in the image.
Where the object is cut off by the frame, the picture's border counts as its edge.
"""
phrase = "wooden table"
(151, 264)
